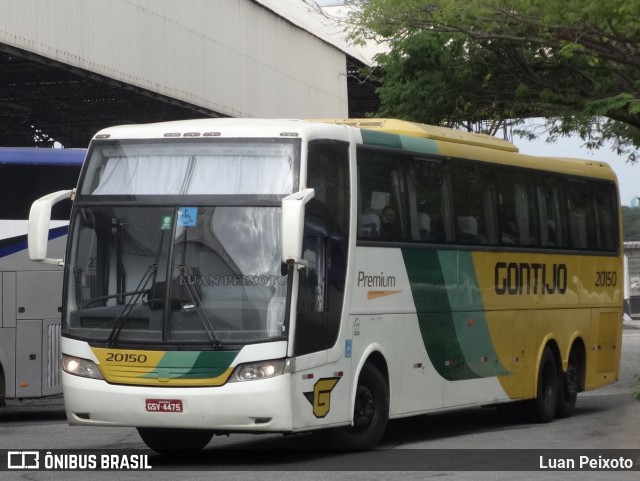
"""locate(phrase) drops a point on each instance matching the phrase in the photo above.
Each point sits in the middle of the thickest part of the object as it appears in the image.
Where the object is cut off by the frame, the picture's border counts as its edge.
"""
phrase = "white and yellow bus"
(229, 275)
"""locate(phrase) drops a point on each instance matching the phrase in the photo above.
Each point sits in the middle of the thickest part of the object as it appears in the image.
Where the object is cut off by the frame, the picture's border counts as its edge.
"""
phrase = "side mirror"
(293, 225)
(39, 218)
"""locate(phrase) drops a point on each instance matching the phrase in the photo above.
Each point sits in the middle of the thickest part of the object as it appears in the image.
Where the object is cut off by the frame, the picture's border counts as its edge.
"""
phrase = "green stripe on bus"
(435, 317)
(457, 348)
(395, 141)
(381, 139)
(469, 318)
(195, 364)
(416, 144)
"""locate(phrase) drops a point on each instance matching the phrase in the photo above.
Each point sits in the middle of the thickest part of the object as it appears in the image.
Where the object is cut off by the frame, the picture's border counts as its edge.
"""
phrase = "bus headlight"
(260, 370)
(80, 367)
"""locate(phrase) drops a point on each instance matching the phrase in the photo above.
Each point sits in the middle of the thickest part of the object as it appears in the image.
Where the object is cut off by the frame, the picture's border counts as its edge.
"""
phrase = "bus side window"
(518, 224)
(467, 229)
(427, 199)
(369, 225)
(607, 226)
(22, 184)
(551, 212)
(382, 211)
(581, 215)
(474, 204)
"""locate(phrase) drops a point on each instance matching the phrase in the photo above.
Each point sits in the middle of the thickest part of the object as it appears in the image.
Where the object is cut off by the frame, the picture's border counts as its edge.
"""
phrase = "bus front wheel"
(168, 441)
(370, 413)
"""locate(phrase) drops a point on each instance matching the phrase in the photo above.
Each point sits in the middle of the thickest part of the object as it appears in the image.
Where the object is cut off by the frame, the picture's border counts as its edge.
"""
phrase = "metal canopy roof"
(42, 101)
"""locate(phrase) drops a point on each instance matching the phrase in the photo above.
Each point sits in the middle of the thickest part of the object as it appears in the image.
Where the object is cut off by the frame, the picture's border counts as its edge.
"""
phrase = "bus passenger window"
(551, 212)
(390, 228)
(606, 209)
(474, 204)
(467, 230)
(424, 226)
(427, 201)
(517, 220)
(382, 213)
(581, 216)
(369, 226)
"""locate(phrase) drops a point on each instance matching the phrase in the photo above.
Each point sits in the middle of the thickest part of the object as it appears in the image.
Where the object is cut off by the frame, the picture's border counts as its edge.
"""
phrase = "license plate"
(163, 405)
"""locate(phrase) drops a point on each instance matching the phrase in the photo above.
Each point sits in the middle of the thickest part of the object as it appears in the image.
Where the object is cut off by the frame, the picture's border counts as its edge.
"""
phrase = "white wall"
(235, 57)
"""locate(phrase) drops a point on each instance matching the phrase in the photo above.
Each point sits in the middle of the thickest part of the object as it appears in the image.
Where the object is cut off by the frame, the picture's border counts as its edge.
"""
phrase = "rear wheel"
(167, 441)
(370, 413)
(570, 386)
(543, 408)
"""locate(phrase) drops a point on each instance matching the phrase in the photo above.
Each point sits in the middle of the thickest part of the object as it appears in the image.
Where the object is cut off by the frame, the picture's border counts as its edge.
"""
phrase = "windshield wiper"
(138, 292)
(203, 314)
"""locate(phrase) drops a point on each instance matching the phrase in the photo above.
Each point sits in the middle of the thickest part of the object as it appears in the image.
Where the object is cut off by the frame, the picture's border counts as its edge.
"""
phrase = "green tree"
(573, 62)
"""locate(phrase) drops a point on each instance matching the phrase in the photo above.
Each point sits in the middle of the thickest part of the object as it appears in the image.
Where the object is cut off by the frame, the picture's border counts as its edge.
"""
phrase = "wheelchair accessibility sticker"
(187, 216)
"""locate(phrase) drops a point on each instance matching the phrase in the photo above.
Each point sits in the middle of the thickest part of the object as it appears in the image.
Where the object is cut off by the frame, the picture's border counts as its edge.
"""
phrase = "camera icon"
(23, 460)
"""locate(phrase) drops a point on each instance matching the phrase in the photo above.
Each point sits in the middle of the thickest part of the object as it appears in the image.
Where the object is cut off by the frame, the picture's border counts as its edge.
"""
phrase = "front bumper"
(252, 406)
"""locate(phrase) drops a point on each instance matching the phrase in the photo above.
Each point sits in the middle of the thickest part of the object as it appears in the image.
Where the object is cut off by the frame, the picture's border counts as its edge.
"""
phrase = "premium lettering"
(521, 278)
(365, 280)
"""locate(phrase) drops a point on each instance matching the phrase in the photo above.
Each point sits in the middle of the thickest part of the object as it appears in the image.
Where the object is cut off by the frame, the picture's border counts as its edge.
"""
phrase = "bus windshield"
(192, 167)
(177, 275)
(190, 263)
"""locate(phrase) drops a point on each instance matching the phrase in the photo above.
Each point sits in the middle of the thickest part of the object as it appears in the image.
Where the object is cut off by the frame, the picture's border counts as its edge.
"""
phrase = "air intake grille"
(53, 355)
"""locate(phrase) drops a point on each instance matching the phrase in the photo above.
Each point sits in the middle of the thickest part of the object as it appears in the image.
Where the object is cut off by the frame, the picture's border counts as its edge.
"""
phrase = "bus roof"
(41, 156)
(457, 143)
(413, 129)
(207, 128)
(429, 139)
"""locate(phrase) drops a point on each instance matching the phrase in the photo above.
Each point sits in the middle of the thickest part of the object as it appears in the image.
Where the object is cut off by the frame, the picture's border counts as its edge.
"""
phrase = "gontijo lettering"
(518, 278)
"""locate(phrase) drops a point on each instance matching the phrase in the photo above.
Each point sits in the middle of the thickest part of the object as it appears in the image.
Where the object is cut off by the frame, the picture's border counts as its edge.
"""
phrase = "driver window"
(311, 332)
(321, 287)
(311, 295)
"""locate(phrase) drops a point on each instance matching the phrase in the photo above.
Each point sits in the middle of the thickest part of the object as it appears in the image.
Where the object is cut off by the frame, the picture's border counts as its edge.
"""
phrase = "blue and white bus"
(31, 293)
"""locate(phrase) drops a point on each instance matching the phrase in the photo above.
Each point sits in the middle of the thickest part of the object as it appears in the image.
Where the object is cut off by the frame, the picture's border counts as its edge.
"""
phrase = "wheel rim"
(364, 410)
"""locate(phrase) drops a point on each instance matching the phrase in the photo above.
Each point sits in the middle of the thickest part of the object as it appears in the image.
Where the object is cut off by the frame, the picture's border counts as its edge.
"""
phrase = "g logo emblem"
(320, 398)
